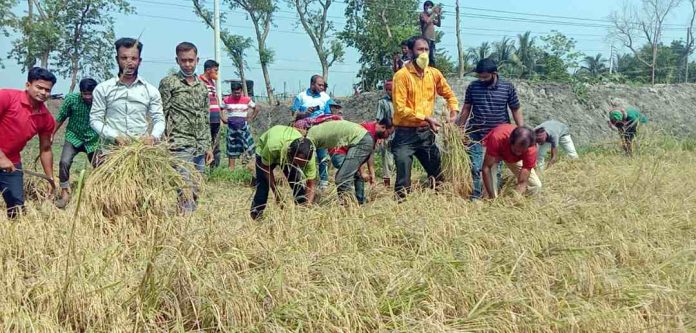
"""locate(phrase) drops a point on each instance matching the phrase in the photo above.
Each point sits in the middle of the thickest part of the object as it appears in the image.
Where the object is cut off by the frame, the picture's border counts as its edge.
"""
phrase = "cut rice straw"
(456, 165)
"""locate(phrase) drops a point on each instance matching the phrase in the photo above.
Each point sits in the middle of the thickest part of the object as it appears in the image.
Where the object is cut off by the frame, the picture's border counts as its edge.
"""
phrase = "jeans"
(348, 174)
(263, 187)
(66, 159)
(323, 162)
(387, 159)
(431, 55)
(215, 135)
(12, 188)
(418, 142)
(476, 155)
(189, 204)
(337, 161)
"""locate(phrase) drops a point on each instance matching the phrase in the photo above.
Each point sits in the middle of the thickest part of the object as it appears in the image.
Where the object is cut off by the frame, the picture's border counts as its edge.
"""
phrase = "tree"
(526, 54)
(261, 14)
(689, 47)
(633, 24)
(476, 54)
(7, 19)
(313, 16)
(594, 66)
(375, 29)
(444, 62)
(40, 36)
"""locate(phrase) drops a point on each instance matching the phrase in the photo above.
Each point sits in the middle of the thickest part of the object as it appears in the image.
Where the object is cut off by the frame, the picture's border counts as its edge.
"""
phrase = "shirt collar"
(138, 79)
(26, 101)
(309, 93)
(181, 76)
(411, 66)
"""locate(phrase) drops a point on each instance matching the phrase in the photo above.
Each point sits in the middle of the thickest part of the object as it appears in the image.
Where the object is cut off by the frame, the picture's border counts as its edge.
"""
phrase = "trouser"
(533, 183)
(431, 55)
(66, 159)
(337, 160)
(477, 153)
(12, 188)
(215, 135)
(323, 162)
(566, 142)
(263, 187)
(387, 159)
(188, 204)
(357, 155)
(418, 142)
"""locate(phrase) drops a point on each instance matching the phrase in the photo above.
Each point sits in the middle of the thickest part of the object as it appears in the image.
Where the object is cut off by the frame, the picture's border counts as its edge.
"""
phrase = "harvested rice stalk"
(138, 179)
(456, 165)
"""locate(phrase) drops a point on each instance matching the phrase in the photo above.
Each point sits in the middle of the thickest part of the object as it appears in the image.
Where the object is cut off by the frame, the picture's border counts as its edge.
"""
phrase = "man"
(485, 107)
(626, 121)
(185, 102)
(23, 115)
(122, 105)
(385, 110)
(378, 130)
(236, 115)
(343, 133)
(313, 103)
(209, 76)
(285, 147)
(398, 62)
(516, 147)
(79, 137)
(549, 135)
(429, 18)
(415, 88)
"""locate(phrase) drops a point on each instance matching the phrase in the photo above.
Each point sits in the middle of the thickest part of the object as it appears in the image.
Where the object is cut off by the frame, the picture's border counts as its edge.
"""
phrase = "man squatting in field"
(23, 114)
(185, 103)
(516, 146)
(549, 135)
(415, 87)
(79, 137)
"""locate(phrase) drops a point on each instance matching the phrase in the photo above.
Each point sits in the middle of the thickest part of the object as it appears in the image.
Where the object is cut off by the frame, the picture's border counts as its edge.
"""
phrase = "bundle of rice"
(456, 165)
(138, 179)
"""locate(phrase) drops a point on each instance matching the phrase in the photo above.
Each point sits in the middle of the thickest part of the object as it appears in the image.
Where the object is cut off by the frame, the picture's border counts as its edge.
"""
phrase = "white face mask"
(423, 60)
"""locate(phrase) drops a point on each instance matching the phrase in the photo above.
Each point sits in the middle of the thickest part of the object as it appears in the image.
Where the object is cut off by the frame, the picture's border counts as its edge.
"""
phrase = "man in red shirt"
(516, 146)
(23, 115)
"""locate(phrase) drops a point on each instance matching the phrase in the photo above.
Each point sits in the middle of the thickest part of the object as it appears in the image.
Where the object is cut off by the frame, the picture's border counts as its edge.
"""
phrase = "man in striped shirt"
(238, 112)
(209, 76)
(485, 107)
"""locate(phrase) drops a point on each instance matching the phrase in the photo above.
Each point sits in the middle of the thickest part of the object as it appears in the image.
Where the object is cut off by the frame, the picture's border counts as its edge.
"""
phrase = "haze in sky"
(165, 23)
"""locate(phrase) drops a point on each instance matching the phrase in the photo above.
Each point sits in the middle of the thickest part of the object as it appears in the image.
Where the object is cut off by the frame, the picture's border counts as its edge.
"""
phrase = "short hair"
(128, 43)
(185, 47)
(38, 73)
(314, 78)
(404, 43)
(428, 3)
(386, 122)
(300, 147)
(412, 41)
(210, 64)
(539, 130)
(236, 86)
(387, 83)
(87, 85)
(523, 133)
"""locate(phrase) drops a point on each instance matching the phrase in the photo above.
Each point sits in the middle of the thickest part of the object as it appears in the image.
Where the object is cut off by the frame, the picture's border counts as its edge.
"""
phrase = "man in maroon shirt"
(23, 115)
(516, 147)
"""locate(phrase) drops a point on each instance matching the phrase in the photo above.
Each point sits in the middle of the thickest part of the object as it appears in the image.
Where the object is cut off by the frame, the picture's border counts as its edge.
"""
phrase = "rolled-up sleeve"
(157, 115)
(97, 115)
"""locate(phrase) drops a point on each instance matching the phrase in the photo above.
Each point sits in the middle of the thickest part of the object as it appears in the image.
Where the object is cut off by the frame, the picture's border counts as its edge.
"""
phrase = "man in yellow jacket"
(415, 89)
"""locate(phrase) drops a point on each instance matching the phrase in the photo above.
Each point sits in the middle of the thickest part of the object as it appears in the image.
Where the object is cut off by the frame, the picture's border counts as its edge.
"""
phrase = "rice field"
(609, 246)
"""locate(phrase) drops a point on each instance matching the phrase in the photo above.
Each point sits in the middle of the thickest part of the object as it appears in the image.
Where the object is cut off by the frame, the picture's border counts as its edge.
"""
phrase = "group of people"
(185, 112)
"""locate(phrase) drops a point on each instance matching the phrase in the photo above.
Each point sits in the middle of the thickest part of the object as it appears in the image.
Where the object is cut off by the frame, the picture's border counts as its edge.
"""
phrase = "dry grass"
(456, 165)
(609, 247)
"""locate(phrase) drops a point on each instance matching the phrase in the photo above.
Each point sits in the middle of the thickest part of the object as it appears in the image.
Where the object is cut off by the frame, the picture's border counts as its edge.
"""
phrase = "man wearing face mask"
(429, 18)
(121, 105)
(485, 107)
(185, 103)
(415, 89)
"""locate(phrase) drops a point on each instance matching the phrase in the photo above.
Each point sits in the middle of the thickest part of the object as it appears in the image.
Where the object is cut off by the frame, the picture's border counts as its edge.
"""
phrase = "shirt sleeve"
(64, 112)
(49, 126)
(513, 101)
(444, 90)
(555, 140)
(97, 115)
(310, 169)
(157, 115)
(165, 94)
(467, 96)
(530, 158)
(297, 105)
(400, 97)
(492, 147)
(5, 101)
(327, 106)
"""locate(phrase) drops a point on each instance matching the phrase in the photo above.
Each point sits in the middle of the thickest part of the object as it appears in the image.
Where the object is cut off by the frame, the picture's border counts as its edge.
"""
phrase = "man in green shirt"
(626, 121)
(185, 105)
(79, 136)
(343, 133)
(285, 147)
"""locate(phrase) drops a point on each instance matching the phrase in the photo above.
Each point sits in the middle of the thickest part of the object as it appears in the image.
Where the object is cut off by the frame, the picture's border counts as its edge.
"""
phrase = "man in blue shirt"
(313, 103)
(485, 107)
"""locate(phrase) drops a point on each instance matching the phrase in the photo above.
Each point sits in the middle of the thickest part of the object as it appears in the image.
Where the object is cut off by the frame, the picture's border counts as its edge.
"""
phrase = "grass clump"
(456, 164)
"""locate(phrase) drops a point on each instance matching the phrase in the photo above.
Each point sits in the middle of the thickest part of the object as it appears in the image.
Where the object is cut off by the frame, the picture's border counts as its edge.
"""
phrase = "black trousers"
(12, 188)
(66, 159)
(419, 142)
(431, 45)
(263, 187)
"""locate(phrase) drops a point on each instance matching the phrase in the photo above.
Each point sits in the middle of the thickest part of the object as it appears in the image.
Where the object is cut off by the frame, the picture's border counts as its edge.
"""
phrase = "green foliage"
(445, 63)
(236, 47)
(224, 174)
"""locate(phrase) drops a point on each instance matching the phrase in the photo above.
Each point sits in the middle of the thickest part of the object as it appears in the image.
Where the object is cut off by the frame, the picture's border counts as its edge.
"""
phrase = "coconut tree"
(594, 66)
(476, 54)
(526, 54)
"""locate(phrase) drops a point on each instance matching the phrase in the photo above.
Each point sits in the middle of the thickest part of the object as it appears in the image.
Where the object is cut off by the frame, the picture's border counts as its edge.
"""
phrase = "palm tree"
(526, 54)
(594, 66)
(476, 54)
(504, 50)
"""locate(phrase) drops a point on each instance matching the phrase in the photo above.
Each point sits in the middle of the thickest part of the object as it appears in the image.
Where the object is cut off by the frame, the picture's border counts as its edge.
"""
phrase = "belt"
(417, 129)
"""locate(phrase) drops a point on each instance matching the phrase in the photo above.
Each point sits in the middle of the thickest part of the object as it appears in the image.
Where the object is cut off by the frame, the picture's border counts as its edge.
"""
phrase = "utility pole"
(686, 56)
(460, 48)
(611, 60)
(218, 57)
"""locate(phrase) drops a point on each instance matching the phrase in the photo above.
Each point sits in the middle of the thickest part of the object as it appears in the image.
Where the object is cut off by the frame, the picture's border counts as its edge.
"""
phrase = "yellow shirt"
(414, 96)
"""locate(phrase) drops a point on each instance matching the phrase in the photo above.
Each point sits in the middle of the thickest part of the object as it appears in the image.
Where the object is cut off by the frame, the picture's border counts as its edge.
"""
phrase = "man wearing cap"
(415, 88)
(385, 110)
(549, 135)
(485, 107)
(626, 121)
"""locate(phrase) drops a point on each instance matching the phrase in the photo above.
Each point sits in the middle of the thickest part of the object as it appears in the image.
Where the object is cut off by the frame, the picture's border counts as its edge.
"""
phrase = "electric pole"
(218, 57)
(611, 60)
(460, 49)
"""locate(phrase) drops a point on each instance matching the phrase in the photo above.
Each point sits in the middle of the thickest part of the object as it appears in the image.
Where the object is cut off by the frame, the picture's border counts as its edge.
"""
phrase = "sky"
(165, 23)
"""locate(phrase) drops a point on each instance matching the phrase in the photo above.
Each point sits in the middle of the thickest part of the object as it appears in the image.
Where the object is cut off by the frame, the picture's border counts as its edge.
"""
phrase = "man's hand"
(122, 141)
(452, 117)
(208, 157)
(433, 123)
(149, 140)
(6, 165)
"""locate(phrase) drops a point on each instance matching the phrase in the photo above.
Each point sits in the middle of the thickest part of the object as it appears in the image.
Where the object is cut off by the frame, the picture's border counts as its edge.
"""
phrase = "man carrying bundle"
(285, 147)
(415, 87)
(516, 146)
(626, 121)
(121, 105)
(79, 137)
(185, 103)
(23, 115)
(549, 135)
